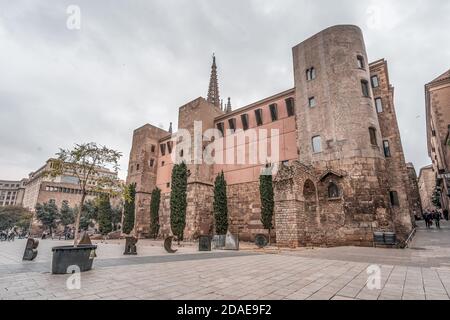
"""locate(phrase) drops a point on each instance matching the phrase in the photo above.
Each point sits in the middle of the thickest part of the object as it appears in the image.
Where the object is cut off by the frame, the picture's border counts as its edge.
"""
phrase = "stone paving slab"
(299, 275)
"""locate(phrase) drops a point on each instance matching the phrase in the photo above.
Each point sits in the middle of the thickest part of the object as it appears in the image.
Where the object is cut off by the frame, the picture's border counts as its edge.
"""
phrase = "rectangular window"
(168, 184)
(232, 124)
(375, 83)
(290, 107)
(387, 149)
(273, 112)
(244, 119)
(379, 105)
(373, 136)
(316, 144)
(258, 116)
(220, 127)
(152, 162)
(137, 167)
(162, 163)
(163, 149)
(152, 148)
(312, 102)
(169, 146)
(365, 88)
(393, 195)
(361, 62)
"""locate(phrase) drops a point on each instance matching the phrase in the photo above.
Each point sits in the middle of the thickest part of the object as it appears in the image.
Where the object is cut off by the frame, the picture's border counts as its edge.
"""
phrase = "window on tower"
(373, 136)
(375, 82)
(365, 88)
(379, 105)
(273, 112)
(387, 149)
(361, 62)
(244, 119)
(258, 115)
(310, 74)
(316, 144)
(290, 107)
(393, 195)
(232, 124)
(163, 148)
(220, 128)
(312, 102)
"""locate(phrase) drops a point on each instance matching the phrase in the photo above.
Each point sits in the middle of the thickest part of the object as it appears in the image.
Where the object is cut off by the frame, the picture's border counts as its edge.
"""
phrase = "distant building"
(11, 192)
(41, 188)
(427, 184)
(437, 102)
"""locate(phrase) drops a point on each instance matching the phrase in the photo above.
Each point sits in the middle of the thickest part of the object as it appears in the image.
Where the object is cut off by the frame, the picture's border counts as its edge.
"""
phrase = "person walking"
(429, 219)
(437, 219)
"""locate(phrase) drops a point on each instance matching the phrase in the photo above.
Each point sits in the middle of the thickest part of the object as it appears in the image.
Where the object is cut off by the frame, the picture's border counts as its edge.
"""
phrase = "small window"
(168, 184)
(152, 162)
(312, 102)
(244, 119)
(373, 136)
(170, 146)
(181, 153)
(375, 83)
(163, 148)
(220, 128)
(361, 62)
(137, 167)
(152, 148)
(290, 107)
(258, 116)
(316, 144)
(232, 124)
(310, 74)
(387, 149)
(333, 191)
(273, 112)
(365, 88)
(379, 105)
(393, 195)
(163, 163)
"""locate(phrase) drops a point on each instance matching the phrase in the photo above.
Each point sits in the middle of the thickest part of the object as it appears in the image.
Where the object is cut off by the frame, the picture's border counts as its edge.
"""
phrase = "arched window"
(333, 191)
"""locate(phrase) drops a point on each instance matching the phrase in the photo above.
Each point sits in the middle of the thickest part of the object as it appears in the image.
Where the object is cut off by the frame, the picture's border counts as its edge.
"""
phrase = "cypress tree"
(129, 207)
(66, 214)
(220, 205)
(178, 202)
(267, 202)
(104, 215)
(154, 213)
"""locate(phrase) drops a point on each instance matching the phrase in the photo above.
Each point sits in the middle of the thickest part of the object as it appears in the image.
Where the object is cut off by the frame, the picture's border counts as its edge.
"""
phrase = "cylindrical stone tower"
(338, 131)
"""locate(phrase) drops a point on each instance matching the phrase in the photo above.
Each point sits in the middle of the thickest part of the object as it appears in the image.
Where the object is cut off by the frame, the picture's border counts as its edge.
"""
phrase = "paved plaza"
(420, 272)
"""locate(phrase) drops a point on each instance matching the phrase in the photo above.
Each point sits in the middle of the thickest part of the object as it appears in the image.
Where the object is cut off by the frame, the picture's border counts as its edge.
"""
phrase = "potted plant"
(87, 163)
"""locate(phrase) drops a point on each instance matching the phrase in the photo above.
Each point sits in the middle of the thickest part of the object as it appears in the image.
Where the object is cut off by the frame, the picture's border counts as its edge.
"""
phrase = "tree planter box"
(66, 256)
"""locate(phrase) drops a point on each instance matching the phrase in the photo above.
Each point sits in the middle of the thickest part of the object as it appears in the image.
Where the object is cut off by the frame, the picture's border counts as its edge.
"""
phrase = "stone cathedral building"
(342, 176)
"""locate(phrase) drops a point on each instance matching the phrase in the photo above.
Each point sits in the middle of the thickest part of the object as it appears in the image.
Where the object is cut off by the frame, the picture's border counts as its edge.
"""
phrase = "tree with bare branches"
(87, 162)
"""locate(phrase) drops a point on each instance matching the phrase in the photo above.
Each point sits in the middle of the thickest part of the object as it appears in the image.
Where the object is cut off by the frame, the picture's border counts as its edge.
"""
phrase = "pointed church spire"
(228, 110)
(213, 91)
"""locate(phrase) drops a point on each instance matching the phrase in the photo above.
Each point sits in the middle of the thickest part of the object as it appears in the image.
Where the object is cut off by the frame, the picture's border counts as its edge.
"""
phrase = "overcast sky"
(137, 62)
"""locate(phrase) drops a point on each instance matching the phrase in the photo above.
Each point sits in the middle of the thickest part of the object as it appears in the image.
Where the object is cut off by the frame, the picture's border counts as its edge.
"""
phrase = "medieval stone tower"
(342, 185)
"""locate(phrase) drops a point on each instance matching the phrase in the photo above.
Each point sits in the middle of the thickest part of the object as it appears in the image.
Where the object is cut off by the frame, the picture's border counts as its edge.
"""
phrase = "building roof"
(445, 75)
